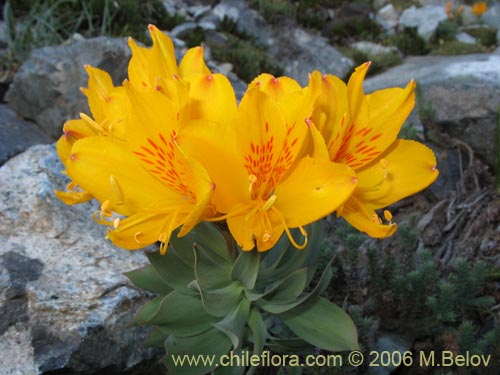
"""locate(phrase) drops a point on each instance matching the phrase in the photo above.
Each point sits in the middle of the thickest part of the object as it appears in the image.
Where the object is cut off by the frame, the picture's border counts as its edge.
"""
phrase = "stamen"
(384, 164)
(104, 209)
(289, 235)
(253, 179)
(137, 235)
(116, 189)
(269, 203)
(376, 219)
(116, 223)
(92, 123)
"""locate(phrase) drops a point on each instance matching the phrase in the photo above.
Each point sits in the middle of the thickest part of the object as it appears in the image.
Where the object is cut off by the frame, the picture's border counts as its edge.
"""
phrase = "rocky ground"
(64, 302)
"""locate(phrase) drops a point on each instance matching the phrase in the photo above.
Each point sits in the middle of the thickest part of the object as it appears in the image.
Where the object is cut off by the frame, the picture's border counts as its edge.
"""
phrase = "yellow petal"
(211, 98)
(141, 230)
(389, 108)
(98, 165)
(276, 88)
(73, 131)
(214, 145)
(147, 64)
(331, 113)
(193, 63)
(406, 168)
(357, 99)
(105, 100)
(163, 52)
(263, 228)
(365, 219)
(268, 147)
(73, 197)
(314, 189)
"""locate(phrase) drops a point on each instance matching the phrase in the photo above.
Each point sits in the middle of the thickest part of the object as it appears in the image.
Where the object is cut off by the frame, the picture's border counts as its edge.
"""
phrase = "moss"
(379, 63)
(487, 36)
(447, 30)
(409, 42)
(456, 48)
(247, 59)
(274, 11)
(195, 37)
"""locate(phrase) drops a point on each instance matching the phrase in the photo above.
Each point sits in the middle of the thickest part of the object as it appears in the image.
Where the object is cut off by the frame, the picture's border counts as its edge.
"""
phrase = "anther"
(116, 223)
(387, 215)
(266, 236)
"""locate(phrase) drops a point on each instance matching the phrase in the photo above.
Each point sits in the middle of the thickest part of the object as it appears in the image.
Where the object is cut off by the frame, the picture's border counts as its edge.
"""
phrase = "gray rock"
(301, 52)
(463, 92)
(17, 135)
(426, 19)
(63, 299)
(492, 15)
(465, 38)
(247, 20)
(390, 343)
(229, 9)
(198, 11)
(387, 17)
(297, 50)
(4, 39)
(183, 29)
(207, 25)
(468, 18)
(46, 87)
(377, 4)
(372, 49)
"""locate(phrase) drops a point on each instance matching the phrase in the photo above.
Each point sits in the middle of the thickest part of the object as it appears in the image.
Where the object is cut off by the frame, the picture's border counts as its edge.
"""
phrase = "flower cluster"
(172, 147)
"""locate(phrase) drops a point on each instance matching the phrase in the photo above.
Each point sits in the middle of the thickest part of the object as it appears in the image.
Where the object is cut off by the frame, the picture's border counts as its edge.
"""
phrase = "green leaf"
(322, 324)
(233, 324)
(172, 270)
(278, 308)
(218, 302)
(156, 338)
(147, 311)
(246, 268)
(211, 270)
(200, 353)
(205, 234)
(294, 259)
(259, 330)
(148, 278)
(182, 315)
(271, 259)
(288, 345)
(233, 370)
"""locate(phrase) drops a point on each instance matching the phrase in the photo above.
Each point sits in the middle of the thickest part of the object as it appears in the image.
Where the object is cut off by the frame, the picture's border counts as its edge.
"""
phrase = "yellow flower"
(128, 157)
(361, 131)
(264, 184)
(478, 9)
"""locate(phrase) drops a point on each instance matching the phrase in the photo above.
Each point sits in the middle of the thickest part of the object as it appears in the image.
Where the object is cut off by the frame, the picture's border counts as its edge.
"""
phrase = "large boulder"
(460, 93)
(46, 87)
(64, 301)
(17, 135)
